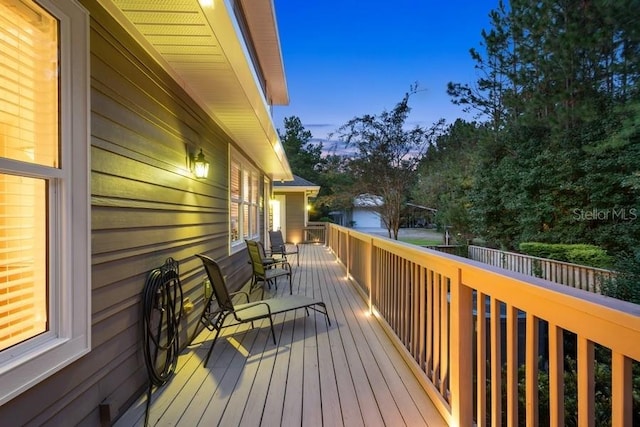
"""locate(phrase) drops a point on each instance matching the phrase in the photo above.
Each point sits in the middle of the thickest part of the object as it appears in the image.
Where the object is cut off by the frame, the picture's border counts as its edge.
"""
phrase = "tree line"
(552, 156)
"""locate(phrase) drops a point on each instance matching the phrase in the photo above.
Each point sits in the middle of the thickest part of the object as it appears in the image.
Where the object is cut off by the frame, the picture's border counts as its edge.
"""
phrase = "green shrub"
(326, 219)
(626, 284)
(602, 401)
(582, 254)
(592, 256)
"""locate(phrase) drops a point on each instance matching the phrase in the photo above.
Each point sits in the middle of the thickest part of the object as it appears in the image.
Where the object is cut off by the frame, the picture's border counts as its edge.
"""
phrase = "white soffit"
(203, 49)
(261, 20)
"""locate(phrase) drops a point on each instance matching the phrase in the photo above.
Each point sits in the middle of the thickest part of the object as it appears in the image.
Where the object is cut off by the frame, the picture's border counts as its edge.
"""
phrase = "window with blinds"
(236, 201)
(255, 188)
(244, 190)
(29, 135)
(45, 223)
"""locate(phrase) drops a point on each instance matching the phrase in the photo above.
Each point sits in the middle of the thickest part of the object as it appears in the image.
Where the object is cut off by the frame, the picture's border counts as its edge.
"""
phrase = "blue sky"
(347, 58)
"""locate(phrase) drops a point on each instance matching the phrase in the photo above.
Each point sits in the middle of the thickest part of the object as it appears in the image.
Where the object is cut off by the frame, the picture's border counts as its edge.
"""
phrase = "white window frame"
(69, 334)
(265, 206)
(247, 171)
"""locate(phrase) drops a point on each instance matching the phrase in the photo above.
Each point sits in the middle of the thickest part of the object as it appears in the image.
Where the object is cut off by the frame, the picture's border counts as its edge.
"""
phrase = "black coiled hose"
(162, 312)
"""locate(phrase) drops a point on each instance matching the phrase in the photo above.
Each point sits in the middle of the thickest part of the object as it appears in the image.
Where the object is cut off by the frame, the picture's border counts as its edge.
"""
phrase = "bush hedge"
(626, 284)
(582, 254)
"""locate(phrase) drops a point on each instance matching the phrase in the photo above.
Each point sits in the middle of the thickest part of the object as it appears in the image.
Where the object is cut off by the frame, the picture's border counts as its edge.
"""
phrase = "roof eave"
(215, 68)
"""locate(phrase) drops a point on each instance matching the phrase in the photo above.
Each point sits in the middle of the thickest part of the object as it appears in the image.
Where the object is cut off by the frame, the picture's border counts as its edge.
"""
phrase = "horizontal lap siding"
(295, 216)
(145, 207)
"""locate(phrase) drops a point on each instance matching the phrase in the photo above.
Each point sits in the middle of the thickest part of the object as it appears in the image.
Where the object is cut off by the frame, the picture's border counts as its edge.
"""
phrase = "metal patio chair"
(266, 269)
(282, 248)
(249, 311)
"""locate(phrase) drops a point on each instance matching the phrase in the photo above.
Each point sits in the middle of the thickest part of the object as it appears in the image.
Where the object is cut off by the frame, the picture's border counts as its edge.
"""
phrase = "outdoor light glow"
(206, 4)
(236, 344)
(200, 166)
(202, 170)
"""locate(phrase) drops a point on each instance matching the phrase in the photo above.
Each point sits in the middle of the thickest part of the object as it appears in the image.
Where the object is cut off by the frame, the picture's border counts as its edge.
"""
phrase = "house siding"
(145, 208)
(295, 215)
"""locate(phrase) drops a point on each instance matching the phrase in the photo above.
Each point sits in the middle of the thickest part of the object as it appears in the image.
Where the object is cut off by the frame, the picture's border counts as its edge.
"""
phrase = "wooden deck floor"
(348, 374)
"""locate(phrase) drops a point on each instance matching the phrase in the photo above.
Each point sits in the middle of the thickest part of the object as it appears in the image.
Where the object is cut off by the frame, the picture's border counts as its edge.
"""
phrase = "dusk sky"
(349, 58)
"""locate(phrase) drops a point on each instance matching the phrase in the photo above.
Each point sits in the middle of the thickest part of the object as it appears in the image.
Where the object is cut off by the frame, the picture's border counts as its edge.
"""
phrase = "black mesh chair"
(249, 311)
(282, 248)
(266, 269)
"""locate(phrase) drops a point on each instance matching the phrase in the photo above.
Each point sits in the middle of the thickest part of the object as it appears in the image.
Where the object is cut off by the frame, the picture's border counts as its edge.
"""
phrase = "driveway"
(416, 233)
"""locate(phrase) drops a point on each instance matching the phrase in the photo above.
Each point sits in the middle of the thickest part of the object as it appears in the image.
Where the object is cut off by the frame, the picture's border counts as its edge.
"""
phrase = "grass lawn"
(420, 241)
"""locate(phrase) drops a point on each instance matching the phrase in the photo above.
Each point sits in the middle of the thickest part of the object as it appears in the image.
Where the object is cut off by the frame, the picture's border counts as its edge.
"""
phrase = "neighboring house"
(365, 212)
(103, 106)
(289, 207)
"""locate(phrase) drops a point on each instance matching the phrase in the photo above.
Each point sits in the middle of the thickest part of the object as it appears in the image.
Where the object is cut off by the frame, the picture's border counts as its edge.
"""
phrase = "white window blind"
(29, 134)
(246, 191)
(254, 203)
(244, 188)
(236, 201)
(235, 181)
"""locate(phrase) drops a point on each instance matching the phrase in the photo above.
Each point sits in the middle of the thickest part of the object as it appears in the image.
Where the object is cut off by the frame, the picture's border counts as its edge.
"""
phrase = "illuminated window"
(244, 189)
(236, 202)
(44, 231)
(255, 191)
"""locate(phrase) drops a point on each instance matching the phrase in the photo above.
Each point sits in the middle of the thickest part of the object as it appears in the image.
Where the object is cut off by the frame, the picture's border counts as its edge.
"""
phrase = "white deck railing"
(565, 273)
(430, 303)
(315, 232)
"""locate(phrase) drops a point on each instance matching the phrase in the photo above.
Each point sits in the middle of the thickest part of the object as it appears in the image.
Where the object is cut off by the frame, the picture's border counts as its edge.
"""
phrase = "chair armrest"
(232, 294)
(277, 262)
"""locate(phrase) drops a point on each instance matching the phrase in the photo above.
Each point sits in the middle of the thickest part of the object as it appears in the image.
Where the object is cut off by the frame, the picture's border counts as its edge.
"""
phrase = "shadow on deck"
(349, 374)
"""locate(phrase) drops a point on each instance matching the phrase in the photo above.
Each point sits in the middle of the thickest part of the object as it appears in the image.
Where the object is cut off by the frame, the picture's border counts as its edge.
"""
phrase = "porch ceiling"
(203, 48)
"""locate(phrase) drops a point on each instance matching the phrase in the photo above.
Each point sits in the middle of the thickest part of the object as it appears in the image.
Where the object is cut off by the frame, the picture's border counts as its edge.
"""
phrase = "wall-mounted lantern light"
(200, 166)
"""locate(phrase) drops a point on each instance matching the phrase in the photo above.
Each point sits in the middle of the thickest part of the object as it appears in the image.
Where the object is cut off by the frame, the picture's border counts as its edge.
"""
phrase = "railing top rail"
(569, 264)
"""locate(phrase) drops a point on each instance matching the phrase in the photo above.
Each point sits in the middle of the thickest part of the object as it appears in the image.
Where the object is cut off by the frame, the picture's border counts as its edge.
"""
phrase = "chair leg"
(273, 332)
(206, 360)
(218, 325)
(326, 314)
(324, 311)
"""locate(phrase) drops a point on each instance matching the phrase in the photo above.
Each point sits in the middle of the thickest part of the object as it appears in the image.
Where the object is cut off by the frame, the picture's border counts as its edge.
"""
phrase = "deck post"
(461, 386)
(372, 279)
(348, 254)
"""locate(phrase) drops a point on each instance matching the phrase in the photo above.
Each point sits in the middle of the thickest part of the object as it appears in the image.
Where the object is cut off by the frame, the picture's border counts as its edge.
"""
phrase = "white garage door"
(366, 219)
